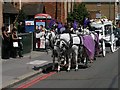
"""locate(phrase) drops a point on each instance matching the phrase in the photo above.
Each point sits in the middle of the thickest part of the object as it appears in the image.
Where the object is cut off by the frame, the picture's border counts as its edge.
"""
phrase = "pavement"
(20, 69)
(0, 44)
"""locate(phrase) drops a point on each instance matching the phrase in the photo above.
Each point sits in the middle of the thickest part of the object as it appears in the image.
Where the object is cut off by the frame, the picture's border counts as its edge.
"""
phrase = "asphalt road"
(103, 73)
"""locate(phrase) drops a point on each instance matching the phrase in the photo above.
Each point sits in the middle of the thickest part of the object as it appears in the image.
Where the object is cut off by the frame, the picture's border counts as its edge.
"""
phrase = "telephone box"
(39, 39)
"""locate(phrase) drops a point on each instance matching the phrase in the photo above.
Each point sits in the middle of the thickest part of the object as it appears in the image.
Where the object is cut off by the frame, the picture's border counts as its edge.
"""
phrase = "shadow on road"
(48, 68)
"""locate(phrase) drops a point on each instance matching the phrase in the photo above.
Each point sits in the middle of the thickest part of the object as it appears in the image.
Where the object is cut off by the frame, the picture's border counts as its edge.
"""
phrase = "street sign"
(29, 26)
(28, 23)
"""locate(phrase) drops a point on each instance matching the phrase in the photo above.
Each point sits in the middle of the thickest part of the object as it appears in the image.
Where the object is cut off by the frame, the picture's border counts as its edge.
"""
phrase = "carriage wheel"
(103, 49)
(113, 47)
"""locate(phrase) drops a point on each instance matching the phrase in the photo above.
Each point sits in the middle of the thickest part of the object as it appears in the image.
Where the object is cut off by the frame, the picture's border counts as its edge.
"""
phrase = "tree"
(79, 13)
(21, 16)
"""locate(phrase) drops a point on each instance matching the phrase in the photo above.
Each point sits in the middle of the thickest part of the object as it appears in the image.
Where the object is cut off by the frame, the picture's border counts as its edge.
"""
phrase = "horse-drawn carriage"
(80, 46)
(106, 35)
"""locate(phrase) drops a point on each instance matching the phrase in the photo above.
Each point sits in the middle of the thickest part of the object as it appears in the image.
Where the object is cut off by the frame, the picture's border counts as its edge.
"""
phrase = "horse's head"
(60, 46)
(56, 43)
(47, 33)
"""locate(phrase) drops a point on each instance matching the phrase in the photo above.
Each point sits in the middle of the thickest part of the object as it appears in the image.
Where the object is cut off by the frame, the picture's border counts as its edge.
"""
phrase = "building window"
(6, 21)
(98, 15)
(7, 1)
(12, 3)
(98, 4)
(15, 4)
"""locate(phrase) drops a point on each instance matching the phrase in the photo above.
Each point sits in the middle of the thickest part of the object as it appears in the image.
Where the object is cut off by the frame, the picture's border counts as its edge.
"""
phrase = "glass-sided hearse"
(106, 35)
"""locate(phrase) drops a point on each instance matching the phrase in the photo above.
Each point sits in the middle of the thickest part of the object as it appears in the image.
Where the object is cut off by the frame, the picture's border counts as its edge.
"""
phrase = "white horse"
(67, 45)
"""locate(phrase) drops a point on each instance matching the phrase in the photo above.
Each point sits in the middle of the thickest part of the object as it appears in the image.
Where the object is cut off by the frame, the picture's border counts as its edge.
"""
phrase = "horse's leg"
(85, 57)
(69, 62)
(53, 55)
(47, 49)
(59, 61)
(76, 59)
(46, 45)
(53, 66)
(58, 64)
(65, 60)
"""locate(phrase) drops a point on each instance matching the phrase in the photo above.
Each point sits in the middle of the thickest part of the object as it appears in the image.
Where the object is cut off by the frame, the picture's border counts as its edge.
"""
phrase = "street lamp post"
(110, 9)
(119, 8)
(56, 11)
(20, 4)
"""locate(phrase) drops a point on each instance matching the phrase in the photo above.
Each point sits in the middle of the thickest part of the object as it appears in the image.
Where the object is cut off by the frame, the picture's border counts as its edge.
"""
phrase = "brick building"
(57, 10)
(10, 13)
(108, 9)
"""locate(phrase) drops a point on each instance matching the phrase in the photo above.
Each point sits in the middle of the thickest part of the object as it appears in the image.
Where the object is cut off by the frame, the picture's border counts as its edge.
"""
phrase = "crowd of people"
(40, 32)
(58, 28)
(69, 27)
(11, 44)
(72, 27)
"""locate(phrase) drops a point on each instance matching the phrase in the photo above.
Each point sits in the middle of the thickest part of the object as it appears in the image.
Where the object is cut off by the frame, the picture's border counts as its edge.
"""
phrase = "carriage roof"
(99, 25)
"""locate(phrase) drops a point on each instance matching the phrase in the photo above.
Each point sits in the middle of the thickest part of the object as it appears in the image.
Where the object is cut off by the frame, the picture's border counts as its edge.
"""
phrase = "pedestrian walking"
(5, 43)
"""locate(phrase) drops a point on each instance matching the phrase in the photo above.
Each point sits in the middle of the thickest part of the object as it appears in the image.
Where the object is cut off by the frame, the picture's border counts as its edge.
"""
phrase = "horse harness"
(69, 45)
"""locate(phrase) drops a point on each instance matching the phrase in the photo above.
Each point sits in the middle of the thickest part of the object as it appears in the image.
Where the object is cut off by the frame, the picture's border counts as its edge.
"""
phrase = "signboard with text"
(29, 26)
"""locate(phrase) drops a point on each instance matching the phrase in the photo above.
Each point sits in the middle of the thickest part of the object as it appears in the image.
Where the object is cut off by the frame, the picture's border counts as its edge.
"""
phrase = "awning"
(8, 8)
(33, 9)
(43, 16)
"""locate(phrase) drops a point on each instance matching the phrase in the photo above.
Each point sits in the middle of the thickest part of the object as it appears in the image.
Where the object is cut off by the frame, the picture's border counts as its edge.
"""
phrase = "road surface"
(103, 73)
